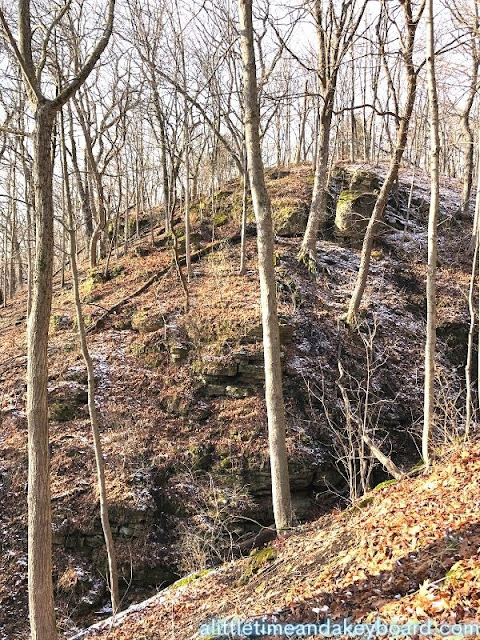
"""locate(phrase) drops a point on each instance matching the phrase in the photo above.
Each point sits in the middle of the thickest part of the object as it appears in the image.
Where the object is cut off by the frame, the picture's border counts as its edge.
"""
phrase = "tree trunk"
(469, 138)
(318, 209)
(243, 242)
(92, 409)
(401, 141)
(271, 337)
(83, 191)
(299, 151)
(432, 238)
(380, 204)
(40, 586)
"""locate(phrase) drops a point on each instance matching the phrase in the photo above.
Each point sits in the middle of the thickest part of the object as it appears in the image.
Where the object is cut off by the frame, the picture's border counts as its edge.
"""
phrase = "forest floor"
(184, 438)
(407, 553)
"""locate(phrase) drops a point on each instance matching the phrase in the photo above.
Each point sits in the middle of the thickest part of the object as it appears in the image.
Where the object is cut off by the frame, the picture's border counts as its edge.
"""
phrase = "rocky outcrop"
(239, 375)
(290, 218)
(67, 400)
(355, 206)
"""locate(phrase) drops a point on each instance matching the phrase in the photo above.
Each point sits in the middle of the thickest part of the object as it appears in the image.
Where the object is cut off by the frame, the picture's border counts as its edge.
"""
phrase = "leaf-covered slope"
(181, 395)
(408, 551)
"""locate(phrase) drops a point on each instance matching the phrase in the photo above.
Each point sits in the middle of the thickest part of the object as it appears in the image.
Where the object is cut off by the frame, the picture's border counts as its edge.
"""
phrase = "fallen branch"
(160, 274)
(384, 460)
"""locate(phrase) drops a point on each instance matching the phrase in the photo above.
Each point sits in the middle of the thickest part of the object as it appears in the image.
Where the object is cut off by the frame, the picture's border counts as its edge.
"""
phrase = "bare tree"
(271, 334)
(92, 409)
(33, 65)
(337, 25)
(428, 411)
(411, 22)
(469, 20)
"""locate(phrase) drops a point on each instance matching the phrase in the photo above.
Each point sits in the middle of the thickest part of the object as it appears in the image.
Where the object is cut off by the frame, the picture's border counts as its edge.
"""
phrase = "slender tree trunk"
(243, 243)
(299, 151)
(429, 414)
(318, 209)
(40, 587)
(471, 331)
(188, 260)
(271, 337)
(27, 176)
(82, 188)
(92, 409)
(469, 137)
(381, 203)
(165, 181)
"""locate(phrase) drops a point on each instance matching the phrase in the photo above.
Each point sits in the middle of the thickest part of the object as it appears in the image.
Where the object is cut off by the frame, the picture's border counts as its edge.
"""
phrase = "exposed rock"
(355, 206)
(219, 219)
(146, 322)
(353, 214)
(455, 336)
(59, 322)
(364, 181)
(195, 241)
(141, 251)
(290, 218)
(255, 334)
(76, 374)
(277, 174)
(176, 404)
(178, 352)
(253, 372)
(232, 391)
(67, 401)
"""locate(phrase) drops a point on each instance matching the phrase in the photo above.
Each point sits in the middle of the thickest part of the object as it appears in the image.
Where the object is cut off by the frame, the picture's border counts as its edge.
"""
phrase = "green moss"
(386, 483)
(192, 577)
(94, 278)
(418, 465)
(364, 502)
(289, 216)
(60, 322)
(65, 410)
(258, 559)
(116, 271)
(145, 322)
(137, 349)
(220, 219)
(454, 574)
(201, 456)
(350, 195)
(306, 259)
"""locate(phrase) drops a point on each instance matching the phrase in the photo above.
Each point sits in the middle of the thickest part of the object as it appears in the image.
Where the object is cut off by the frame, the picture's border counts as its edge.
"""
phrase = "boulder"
(364, 181)
(355, 206)
(67, 401)
(146, 322)
(290, 219)
(353, 214)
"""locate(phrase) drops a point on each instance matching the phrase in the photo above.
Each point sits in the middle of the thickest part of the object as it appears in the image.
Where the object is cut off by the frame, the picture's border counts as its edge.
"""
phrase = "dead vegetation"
(182, 393)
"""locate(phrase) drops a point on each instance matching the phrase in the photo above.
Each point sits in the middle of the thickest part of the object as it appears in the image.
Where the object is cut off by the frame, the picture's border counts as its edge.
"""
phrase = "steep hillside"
(407, 553)
(181, 394)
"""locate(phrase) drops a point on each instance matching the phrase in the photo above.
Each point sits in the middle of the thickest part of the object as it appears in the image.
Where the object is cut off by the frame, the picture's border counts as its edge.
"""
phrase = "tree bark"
(271, 338)
(468, 134)
(243, 232)
(92, 409)
(391, 177)
(318, 212)
(429, 412)
(41, 606)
